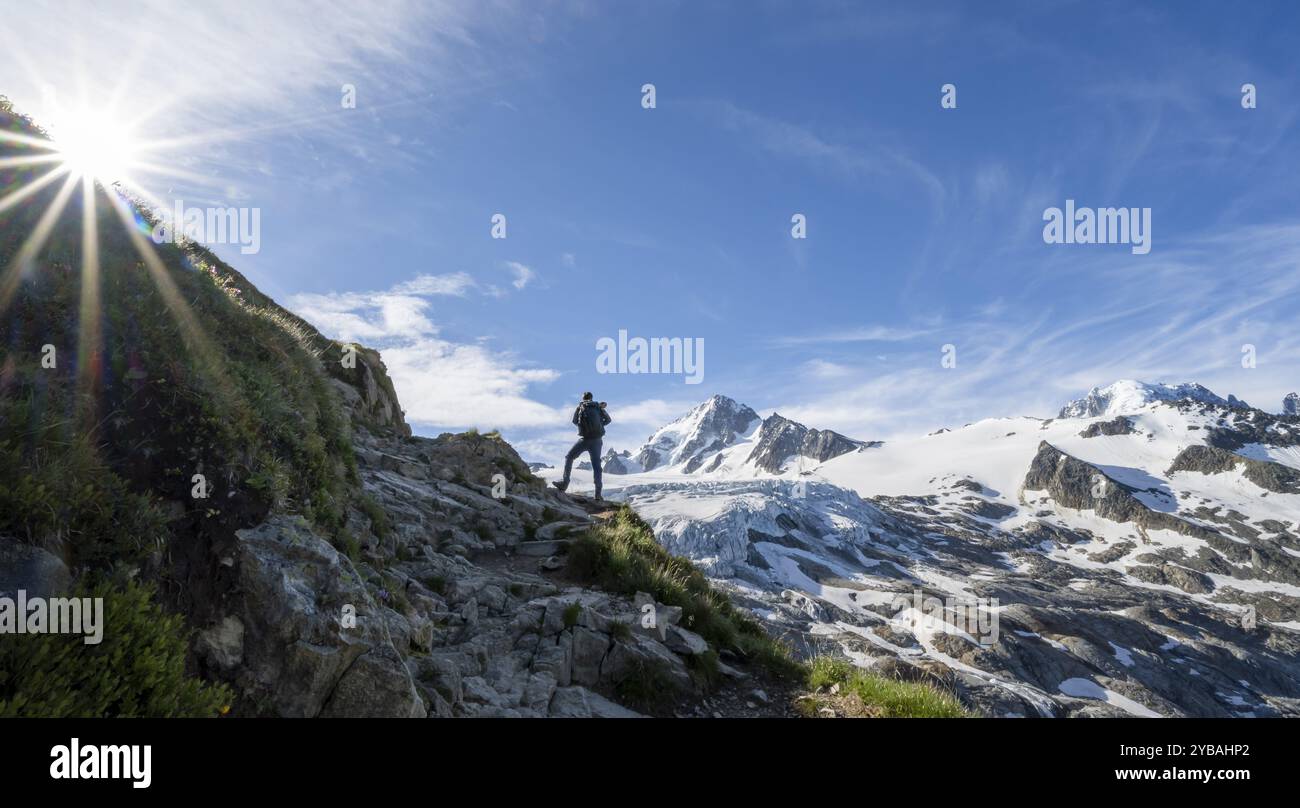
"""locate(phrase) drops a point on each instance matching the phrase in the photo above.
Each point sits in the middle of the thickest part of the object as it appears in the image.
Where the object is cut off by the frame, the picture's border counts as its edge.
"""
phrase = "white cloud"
(441, 384)
(523, 274)
(456, 386)
(455, 283)
(654, 412)
(377, 318)
(822, 369)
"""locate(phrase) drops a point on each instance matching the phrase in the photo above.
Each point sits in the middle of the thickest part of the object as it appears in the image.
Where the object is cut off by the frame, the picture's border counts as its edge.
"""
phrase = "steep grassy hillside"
(121, 383)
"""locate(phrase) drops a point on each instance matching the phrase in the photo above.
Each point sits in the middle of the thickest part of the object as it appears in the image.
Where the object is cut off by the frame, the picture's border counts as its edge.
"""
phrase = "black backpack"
(590, 424)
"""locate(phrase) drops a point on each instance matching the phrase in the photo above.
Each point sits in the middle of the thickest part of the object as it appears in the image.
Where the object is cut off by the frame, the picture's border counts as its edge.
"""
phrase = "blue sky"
(924, 224)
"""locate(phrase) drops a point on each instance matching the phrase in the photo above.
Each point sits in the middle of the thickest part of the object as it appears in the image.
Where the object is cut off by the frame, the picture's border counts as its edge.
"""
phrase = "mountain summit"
(723, 432)
(716, 424)
(1126, 396)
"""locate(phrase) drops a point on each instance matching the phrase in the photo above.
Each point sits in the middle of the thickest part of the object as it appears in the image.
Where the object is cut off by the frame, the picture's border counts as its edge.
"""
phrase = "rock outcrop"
(367, 391)
(1082, 486)
(1119, 425)
(781, 440)
(1266, 474)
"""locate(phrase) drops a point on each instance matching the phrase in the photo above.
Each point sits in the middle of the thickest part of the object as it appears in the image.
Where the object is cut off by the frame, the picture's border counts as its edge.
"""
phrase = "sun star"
(92, 144)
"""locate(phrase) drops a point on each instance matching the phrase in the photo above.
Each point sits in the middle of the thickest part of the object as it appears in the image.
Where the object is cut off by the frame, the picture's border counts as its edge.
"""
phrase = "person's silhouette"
(590, 418)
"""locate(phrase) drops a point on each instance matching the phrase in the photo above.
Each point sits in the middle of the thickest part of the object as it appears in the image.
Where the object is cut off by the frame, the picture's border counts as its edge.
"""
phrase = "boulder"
(33, 569)
(314, 642)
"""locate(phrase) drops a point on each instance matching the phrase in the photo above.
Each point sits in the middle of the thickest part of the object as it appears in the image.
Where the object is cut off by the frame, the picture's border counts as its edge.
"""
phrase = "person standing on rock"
(591, 419)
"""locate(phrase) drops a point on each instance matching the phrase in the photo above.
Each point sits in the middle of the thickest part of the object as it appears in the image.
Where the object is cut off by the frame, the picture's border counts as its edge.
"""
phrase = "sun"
(91, 143)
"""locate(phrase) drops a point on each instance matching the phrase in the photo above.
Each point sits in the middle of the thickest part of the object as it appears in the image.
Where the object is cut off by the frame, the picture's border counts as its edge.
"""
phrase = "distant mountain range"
(1143, 548)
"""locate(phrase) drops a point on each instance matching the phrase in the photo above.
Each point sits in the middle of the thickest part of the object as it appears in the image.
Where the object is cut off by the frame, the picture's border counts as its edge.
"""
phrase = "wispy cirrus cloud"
(802, 143)
(1185, 316)
(273, 55)
(210, 124)
(875, 333)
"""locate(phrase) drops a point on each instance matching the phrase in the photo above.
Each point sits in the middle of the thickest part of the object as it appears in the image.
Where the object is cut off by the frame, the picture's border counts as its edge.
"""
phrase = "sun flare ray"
(32, 188)
(88, 324)
(35, 241)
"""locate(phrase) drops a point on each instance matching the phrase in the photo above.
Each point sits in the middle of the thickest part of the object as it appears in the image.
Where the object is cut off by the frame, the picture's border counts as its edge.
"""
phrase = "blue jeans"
(592, 447)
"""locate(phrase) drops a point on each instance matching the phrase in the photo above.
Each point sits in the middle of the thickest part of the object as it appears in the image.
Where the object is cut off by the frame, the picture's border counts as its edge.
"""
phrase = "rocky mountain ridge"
(722, 431)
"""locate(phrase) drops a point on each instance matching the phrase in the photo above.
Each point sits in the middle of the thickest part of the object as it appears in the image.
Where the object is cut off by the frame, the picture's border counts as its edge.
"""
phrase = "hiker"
(590, 418)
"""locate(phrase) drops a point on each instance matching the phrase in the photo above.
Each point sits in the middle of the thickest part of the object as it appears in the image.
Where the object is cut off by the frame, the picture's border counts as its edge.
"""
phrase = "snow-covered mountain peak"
(1128, 396)
(722, 434)
(713, 425)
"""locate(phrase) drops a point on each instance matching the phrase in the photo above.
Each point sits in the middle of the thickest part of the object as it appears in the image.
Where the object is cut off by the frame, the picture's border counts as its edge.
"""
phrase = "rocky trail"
(457, 600)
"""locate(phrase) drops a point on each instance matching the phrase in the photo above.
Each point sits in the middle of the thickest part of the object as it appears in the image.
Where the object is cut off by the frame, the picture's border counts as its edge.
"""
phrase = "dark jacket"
(604, 418)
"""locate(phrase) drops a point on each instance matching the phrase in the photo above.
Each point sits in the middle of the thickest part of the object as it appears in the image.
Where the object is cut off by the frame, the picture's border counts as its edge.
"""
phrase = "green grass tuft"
(882, 697)
(571, 614)
(136, 671)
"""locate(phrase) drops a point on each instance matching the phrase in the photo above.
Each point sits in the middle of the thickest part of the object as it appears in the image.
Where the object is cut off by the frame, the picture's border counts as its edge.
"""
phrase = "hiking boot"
(560, 484)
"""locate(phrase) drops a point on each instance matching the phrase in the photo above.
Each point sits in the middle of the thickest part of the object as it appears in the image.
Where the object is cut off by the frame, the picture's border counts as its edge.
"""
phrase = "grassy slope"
(169, 370)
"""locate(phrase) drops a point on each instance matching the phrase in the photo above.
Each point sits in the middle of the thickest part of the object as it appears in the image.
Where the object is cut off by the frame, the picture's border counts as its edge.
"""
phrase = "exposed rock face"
(1291, 404)
(1082, 486)
(781, 439)
(713, 425)
(368, 392)
(1072, 483)
(1211, 460)
(304, 635)
(1236, 429)
(1205, 459)
(1119, 425)
(1172, 575)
